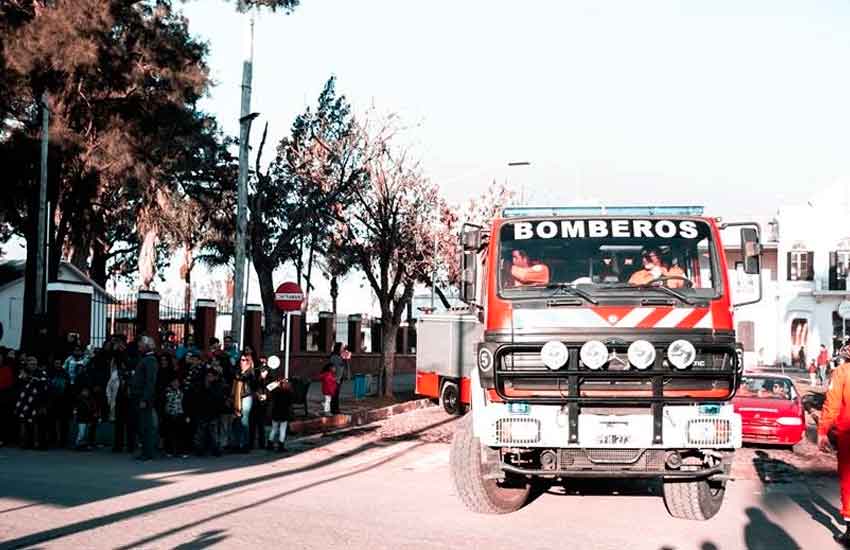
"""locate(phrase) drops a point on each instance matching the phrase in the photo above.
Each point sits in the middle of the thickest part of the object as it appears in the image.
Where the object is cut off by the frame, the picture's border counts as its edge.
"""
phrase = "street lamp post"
(434, 259)
(522, 188)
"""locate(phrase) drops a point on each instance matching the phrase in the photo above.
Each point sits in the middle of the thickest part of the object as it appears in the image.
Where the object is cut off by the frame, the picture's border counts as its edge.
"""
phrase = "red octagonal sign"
(288, 297)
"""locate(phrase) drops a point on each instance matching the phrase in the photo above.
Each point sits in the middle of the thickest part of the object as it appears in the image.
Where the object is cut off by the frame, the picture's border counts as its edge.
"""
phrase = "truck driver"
(651, 271)
(527, 272)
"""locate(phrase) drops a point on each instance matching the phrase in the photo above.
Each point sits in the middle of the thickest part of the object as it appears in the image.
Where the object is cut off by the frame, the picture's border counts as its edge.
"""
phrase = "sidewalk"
(356, 412)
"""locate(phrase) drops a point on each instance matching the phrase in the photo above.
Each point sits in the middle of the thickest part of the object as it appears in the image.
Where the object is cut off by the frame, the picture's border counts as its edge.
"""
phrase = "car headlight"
(594, 354)
(681, 354)
(790, 421)
(641, 354)
(554, 354)
(485, 359)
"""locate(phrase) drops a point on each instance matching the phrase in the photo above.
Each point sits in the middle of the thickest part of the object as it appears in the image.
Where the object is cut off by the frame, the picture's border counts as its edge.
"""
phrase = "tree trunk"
(274, 321)
(310, 269)
(390, 331)
(334, 292)
(97, 272)
(187, 303)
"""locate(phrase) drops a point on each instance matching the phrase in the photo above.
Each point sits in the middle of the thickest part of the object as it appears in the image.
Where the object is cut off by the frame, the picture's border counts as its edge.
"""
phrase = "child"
(281, 398)
(174, 423)
(328, 380)
(813, 373)
(86, 415)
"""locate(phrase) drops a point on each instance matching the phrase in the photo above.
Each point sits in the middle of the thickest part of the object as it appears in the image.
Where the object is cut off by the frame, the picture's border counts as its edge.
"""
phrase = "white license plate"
(613, 432)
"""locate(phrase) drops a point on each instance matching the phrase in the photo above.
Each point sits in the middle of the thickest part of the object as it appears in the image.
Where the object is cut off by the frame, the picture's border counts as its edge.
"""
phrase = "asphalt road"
(383, 486)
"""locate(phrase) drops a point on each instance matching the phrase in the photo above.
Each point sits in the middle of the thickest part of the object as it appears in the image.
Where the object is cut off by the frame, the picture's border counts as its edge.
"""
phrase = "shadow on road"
(772, 471)
(94, 523)
(762, 534)
(113, 475)
(204, 540)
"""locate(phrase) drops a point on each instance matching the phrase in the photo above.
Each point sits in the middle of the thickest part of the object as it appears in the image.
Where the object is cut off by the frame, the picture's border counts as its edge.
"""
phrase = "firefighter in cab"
(654, 269)
(836, 414)
(528, 272)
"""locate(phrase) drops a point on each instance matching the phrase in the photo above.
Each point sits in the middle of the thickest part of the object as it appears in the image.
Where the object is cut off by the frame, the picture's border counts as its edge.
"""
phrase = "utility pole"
(242, 197)
(41, 253)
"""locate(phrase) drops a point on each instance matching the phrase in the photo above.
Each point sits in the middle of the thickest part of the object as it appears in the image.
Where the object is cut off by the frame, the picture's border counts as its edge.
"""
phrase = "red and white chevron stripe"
(615, 317)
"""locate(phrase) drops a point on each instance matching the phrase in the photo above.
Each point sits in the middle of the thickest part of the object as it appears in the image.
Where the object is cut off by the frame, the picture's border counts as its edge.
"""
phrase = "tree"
(294, 203)
(384, 229)
(476, 211)
(122, 80)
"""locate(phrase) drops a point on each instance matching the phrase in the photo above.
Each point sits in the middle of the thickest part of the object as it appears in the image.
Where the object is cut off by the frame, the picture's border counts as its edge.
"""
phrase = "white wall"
(11, 312)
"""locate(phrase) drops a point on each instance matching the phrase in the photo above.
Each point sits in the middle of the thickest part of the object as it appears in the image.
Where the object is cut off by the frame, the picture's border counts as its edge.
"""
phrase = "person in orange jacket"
(653, 269)
(527, 272)
(836, 414)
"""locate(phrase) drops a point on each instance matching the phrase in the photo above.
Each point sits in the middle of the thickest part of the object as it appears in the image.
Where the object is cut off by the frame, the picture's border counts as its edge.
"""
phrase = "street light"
(515, 164)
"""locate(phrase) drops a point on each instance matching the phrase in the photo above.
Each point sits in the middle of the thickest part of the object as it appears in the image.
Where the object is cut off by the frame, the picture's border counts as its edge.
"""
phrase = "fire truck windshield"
(603, 254)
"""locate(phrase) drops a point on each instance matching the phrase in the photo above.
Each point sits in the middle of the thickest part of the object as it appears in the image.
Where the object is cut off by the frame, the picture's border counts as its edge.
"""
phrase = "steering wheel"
(664, 278)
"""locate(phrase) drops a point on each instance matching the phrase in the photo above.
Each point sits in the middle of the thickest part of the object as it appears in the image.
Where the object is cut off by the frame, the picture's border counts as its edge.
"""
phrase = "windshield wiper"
(570, 288)
(668, 290)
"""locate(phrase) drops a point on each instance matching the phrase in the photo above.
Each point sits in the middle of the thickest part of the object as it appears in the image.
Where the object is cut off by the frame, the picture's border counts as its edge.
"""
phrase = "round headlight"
(681, 354)
(594, 354)
(485, 359)
(554, 354)
(641, 354)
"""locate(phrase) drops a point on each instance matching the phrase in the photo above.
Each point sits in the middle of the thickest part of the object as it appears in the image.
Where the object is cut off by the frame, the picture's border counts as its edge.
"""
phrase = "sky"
(741, 106)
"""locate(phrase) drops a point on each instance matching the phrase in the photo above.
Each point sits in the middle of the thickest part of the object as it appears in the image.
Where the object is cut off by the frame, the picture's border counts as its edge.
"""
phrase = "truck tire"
(483, 496)
(693, 500)
(450, 398)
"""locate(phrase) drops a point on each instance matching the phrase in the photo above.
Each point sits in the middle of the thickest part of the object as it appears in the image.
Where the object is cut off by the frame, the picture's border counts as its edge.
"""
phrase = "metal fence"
(177, 318)
(112, 315)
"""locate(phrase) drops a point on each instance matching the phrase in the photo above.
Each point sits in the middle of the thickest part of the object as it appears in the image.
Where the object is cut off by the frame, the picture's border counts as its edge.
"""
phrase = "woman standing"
(339, 359)
(243, 400)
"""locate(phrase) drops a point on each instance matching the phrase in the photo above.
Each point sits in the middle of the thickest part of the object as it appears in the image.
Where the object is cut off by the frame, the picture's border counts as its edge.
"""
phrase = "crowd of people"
(172, 398)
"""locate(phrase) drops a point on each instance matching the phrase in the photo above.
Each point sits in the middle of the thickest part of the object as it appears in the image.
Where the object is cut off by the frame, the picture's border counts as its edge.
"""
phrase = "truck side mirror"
(468, 276)
(470, 239)
(751, 250)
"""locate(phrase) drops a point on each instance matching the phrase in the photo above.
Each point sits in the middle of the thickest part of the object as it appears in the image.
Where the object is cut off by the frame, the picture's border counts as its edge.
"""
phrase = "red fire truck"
(598, 343)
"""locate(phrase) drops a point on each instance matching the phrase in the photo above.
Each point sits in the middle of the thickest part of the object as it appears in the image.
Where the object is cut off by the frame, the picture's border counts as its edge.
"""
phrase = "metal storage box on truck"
(445, 355)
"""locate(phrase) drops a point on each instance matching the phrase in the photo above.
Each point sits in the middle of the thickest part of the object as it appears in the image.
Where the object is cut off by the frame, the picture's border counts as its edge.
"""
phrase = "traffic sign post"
(288, 298)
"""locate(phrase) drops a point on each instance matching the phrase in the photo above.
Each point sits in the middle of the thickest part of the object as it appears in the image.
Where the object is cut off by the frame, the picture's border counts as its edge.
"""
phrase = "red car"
(771, 410)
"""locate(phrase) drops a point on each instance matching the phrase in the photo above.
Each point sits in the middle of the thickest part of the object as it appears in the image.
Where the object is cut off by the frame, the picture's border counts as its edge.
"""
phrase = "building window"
(747, 335)
(839, 267)
(801, 265)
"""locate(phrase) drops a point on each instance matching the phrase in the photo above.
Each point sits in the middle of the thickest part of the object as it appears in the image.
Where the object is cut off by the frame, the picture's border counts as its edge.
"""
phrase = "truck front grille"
(611, 459)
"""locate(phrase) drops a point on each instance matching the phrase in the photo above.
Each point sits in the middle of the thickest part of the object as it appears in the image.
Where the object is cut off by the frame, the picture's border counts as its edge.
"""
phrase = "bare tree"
(386, 229)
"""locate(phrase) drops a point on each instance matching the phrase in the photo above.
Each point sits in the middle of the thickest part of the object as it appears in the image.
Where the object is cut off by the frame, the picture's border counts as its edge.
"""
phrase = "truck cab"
(604, 348)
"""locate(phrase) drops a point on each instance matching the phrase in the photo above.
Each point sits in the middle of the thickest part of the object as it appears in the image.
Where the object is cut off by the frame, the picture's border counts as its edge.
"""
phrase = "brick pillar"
(326, 331)
(147, 314)
(254, 327)
(355, 333)
(401, 342)
(377, 337)
(68, 310)
(205, 317)
(297, 333)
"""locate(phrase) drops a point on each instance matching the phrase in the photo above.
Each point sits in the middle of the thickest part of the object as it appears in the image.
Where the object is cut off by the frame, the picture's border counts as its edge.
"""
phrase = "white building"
(805, 266)
(12, 301)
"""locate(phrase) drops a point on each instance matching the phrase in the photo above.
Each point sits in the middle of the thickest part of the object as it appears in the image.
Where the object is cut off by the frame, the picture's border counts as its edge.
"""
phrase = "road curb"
(340, 421)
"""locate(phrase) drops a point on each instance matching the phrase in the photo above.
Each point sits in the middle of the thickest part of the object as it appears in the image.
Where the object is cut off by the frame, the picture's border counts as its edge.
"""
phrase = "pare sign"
(597, 229)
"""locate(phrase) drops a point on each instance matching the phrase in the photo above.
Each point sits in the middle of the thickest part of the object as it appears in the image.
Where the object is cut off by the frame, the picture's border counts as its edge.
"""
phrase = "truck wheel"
(450, 398)
(694, 500)
(484, 496)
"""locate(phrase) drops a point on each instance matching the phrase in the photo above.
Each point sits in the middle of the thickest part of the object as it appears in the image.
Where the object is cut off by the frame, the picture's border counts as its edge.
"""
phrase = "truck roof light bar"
(532, 211)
